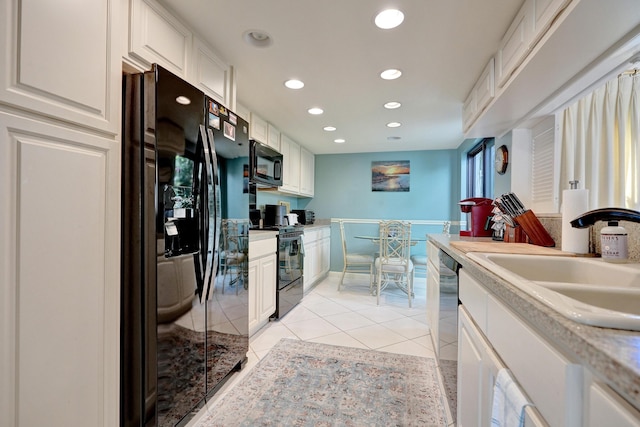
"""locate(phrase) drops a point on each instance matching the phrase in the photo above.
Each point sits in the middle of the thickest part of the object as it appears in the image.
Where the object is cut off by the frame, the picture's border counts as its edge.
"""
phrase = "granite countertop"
(613, 355)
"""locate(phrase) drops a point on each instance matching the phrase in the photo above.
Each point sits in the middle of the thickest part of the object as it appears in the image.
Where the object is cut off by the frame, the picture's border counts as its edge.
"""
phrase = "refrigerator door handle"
(212, 210)
(207, 204)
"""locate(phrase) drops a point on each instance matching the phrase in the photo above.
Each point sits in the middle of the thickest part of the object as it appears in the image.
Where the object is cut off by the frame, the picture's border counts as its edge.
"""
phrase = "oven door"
(290, 272)
(290, 260)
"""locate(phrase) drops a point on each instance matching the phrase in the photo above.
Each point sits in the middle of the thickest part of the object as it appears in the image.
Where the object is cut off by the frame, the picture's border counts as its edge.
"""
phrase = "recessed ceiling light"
(183, 100)
(294, 84)
(391, 74)
(393, 138)
(389, 18)
(315, 111)
(392, 105)
(329, 128)
(339, 141)
(393, 125)
(257, 38)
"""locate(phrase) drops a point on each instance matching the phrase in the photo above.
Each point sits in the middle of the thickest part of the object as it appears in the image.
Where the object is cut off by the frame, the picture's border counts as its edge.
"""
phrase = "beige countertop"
(612, 355)
(257, 234)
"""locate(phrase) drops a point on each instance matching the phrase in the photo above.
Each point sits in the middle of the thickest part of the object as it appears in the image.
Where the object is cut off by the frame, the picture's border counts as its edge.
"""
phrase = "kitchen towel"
(508, 402)
(574, 203)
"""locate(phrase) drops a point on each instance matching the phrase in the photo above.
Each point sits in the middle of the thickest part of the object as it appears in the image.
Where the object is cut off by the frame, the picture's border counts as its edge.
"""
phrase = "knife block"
(534, 229)
(514, 235)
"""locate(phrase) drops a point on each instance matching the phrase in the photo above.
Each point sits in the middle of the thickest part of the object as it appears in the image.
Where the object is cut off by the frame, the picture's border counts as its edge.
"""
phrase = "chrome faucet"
(605, 214)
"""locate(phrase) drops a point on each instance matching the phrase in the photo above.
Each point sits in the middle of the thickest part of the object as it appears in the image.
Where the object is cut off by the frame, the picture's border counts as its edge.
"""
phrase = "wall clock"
(502, 159)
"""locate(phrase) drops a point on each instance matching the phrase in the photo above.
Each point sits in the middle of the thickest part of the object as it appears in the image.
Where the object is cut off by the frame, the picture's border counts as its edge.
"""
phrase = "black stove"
(289, 289)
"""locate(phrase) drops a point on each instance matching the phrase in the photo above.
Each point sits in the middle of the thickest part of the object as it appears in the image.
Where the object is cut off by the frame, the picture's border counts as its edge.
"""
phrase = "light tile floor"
(349, 317)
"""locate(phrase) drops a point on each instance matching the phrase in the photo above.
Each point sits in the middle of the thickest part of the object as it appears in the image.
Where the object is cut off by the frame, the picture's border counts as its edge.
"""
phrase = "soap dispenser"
(613, 240)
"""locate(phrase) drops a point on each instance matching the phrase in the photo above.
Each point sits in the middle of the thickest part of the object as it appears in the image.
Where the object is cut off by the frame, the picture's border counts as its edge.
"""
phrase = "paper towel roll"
(574, 203)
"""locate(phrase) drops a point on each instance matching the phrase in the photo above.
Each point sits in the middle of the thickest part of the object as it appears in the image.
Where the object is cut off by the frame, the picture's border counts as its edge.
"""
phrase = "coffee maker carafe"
(478, 210)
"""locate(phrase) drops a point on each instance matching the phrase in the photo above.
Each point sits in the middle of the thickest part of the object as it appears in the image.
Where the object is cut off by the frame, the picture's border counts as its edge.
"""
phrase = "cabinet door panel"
(268, 286)
(607, 408)
(470, 374)
(515, 44)
(551, 381)
(61, 59)
(60, 275)
(254, 302)
(211, 74)
(259, 129)
(157, 37)
(273, 139)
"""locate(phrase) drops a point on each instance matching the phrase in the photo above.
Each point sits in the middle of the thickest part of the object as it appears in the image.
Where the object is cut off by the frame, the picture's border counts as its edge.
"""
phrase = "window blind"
(543, 188)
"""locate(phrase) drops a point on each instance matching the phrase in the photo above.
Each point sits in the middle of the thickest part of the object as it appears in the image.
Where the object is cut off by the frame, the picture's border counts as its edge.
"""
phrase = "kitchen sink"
(586, 290)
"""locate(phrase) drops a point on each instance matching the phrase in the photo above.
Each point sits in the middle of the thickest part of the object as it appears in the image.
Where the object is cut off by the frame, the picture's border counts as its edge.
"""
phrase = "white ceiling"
(334, 47)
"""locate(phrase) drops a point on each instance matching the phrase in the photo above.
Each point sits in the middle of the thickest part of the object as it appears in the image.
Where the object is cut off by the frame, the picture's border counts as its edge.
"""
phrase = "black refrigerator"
(185, 164)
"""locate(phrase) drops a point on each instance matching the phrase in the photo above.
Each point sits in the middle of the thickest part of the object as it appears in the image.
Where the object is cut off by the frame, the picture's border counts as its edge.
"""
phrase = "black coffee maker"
(275, 216)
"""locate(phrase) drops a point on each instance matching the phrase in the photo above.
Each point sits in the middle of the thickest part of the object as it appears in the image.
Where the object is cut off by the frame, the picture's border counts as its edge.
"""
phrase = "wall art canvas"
(390, 175)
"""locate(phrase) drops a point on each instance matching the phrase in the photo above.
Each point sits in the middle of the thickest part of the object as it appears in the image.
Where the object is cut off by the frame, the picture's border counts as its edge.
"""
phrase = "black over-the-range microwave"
(265, 165)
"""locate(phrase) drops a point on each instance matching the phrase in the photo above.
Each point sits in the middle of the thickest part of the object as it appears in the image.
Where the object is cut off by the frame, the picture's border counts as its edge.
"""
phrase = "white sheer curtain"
(601, 144)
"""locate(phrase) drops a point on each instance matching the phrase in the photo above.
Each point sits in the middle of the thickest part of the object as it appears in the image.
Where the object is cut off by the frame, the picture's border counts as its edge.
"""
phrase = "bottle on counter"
(613, 239)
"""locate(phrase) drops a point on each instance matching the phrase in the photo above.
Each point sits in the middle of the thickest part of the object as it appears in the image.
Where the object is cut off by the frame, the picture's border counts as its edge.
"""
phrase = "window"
(480, 169)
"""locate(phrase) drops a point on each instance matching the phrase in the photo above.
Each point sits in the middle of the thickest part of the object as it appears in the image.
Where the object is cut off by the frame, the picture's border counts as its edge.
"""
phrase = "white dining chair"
(354, 262)
(394, 265)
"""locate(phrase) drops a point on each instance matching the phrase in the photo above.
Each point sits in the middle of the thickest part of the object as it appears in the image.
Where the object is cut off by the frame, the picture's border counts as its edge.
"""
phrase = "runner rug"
(300, 383)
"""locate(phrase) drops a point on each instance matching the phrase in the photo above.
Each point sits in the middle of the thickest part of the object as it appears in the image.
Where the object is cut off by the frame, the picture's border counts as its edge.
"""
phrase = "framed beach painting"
(390, 175)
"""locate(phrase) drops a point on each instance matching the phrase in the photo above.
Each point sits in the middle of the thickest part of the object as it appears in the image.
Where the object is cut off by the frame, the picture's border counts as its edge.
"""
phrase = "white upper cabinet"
(212, 75)
(273, 138)
(480, 96)
(515, 43)
(290, 165)
(258, 129)
(61, 59)
(307, 171)
(544, 13)
(156, 36)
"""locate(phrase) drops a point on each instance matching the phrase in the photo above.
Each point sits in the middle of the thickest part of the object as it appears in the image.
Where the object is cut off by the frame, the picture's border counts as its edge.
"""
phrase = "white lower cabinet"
(488, 342)
(317, 251)
(262, 282)
(607, 408)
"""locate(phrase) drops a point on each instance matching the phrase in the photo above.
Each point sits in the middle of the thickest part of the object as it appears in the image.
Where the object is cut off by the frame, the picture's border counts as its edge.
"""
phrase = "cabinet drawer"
(312, 235)
(474, 298)
(325, 232)
(260, 248)
(552, 382)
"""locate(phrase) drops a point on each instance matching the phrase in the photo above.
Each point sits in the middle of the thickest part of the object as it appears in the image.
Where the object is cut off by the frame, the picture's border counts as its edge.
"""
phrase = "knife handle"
(532, 226)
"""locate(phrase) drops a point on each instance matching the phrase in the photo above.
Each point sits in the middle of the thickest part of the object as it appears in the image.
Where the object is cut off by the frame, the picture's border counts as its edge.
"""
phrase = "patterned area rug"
(308, 384)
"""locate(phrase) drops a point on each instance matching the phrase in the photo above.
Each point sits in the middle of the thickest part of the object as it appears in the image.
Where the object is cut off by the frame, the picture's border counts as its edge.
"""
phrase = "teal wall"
(271, 198)
(343, 186)
(235, 202)
(343, 190)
